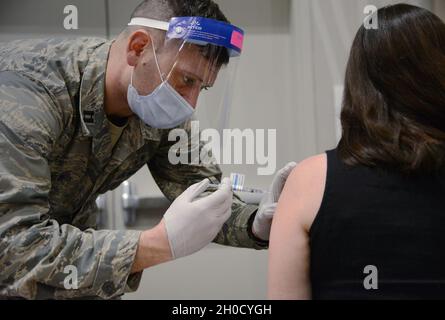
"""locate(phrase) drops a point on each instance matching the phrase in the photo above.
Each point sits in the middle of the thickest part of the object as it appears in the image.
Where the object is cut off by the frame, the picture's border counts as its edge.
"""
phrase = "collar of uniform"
(92, 91)
(149, 133)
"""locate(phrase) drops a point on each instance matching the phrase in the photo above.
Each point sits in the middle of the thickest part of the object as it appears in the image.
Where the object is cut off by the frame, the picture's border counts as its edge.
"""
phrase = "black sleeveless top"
(390, 221)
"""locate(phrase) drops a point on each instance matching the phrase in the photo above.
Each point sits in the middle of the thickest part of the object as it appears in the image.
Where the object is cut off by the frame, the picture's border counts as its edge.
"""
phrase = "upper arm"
(30, 123)
(29, 112)
(35, 248)
(289, 257)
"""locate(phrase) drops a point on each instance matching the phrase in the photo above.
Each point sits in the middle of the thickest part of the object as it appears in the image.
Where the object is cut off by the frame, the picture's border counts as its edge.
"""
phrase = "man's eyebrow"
(191, 73)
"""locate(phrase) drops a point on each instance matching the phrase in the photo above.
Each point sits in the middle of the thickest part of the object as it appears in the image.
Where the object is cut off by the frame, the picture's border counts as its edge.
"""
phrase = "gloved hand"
(193, 224)
(263, 220)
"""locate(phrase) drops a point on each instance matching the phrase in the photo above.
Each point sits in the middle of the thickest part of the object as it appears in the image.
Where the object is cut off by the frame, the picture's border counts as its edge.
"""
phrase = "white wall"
(439, 8)
(322, 33)
(22, 19)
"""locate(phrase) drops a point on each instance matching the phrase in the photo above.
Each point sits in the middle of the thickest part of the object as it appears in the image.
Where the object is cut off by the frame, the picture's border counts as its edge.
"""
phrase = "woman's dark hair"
(394, 101)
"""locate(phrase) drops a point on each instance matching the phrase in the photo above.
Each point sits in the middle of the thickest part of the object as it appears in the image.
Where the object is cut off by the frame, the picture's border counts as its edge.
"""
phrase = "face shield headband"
(198, 30)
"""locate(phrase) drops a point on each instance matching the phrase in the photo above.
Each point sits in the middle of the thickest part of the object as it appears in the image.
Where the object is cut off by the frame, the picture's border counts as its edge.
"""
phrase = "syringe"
(248, 190)
(238, 184)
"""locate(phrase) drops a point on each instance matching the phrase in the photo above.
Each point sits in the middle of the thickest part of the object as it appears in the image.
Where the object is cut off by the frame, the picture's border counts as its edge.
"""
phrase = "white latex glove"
(193, 224)
(263, 220)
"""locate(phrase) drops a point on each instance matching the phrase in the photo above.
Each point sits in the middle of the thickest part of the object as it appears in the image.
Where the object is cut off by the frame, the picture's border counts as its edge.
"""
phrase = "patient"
(378, 199)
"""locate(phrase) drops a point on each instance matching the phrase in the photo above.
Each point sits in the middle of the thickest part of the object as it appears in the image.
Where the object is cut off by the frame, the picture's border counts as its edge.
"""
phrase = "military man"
(74, 125)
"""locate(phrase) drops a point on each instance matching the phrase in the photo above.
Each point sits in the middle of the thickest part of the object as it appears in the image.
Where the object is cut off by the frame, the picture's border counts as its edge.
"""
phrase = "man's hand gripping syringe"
(268, 205)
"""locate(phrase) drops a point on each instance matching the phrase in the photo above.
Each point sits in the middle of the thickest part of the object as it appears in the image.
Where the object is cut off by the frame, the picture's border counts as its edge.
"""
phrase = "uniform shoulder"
(43, 58)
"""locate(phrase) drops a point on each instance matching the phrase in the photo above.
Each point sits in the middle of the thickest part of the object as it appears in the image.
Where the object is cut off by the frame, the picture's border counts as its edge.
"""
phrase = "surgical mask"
(164, 108)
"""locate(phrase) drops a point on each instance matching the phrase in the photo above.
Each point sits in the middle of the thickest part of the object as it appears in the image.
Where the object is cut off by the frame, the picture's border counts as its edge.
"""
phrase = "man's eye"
(206, 88)
(189, 81)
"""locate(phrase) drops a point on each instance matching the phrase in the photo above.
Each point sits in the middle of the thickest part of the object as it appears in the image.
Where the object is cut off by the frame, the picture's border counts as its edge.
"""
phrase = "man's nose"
(191, 97)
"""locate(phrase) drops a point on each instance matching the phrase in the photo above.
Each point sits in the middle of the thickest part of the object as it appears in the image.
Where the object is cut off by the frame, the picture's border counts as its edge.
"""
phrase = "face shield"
(198, 61)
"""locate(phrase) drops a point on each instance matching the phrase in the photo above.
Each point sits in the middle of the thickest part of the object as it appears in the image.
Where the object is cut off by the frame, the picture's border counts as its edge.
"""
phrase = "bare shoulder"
(310, 174)
(310, 167)
(305, 188)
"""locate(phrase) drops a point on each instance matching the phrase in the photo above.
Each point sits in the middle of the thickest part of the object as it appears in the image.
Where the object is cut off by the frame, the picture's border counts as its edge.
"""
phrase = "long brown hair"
(394, 101)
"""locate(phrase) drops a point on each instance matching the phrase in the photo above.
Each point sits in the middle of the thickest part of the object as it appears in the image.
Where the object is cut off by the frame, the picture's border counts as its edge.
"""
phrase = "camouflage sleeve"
(174, 179)
(37, 254)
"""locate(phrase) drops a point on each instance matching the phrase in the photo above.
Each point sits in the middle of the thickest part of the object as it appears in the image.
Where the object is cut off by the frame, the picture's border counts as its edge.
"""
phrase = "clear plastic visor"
(203, 76)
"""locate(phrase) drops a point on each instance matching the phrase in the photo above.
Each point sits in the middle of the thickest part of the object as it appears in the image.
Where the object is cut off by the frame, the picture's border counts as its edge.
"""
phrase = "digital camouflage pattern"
(56, 158)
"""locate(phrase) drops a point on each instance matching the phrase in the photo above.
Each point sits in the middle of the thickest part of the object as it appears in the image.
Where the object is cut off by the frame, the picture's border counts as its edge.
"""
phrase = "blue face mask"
(164, 108)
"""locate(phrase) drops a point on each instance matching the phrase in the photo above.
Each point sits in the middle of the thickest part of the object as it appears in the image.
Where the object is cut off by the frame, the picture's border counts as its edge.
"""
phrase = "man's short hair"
(166, 9)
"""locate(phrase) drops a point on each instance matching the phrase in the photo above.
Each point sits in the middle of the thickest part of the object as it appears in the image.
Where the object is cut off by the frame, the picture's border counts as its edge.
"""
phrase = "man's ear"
(137, 43)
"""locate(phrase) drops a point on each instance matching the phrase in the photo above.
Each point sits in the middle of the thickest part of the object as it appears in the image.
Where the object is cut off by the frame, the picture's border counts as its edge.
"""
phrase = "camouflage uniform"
(56, 158)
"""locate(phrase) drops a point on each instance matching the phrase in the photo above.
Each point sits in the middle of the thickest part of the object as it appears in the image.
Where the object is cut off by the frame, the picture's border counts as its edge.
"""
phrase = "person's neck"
(116, 105)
